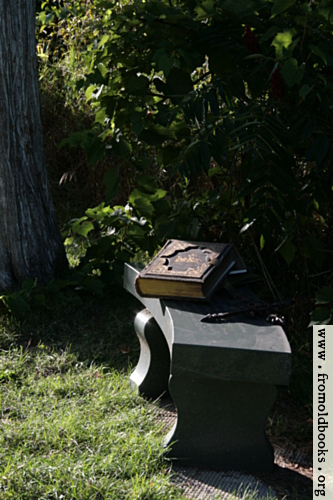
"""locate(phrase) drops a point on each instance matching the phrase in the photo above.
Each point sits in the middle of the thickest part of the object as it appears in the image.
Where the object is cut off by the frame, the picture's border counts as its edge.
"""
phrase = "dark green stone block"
(223, 379)
(221, 424)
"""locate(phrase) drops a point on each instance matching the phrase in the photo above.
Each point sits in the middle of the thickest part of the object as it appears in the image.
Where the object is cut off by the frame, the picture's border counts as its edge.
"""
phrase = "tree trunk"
(30, 241)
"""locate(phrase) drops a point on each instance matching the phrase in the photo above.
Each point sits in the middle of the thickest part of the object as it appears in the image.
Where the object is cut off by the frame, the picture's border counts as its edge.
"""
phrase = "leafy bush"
(228, 102)
(185, 80)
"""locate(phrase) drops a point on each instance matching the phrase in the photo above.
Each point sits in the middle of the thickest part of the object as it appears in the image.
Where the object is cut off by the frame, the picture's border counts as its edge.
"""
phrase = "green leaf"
(120, 146)
(288, 250)
(137, 122)
(162, 206)
(42, 17)
(291, 72)
(280, 6)
(90, 91)
(318, 53)
(103, 40)
(270, 32)
(102, 69)
(325, 295)
(244, 9)
(147, 192)
(100, 116)
(69, 241)
(49, 18)
(304, 90)
(84, 228)
(148, 182)
(164, 61)
(281, 42)
(111, 181)
(16, 304)
(214, 102)
(137, 233)
(76, 278)
(321, 316)
(64, 13)
(94, 150)
(72, 297)
(206, 9)
(325, 9)
(142, 204)
(170, 154)
(262, 241)
(29, 284)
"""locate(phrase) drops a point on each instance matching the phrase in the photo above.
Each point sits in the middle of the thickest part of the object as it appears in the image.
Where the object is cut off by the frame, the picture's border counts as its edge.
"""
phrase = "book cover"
(188, 270)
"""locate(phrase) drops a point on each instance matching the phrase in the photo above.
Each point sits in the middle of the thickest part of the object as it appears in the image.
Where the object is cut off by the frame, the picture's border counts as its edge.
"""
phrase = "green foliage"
(122, 233)
(111, 236)
(179, 78)
(237, 94)
(323, 312)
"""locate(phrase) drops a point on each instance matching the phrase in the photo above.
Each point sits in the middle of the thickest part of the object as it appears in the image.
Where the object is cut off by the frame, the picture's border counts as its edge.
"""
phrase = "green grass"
(70, 426)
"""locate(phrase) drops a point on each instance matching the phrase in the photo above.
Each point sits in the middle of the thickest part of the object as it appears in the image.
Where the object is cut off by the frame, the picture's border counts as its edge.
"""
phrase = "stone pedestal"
(221, 424)
(221, 377)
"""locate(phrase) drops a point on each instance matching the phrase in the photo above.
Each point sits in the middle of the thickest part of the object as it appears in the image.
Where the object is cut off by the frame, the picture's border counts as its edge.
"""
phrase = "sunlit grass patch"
(70, 430)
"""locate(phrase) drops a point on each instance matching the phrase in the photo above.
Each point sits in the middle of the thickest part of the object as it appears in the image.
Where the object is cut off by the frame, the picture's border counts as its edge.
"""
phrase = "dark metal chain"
(271, 312)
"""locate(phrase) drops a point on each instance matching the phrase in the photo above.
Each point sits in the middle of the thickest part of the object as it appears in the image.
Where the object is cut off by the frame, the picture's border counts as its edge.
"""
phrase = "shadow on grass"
(100, 332)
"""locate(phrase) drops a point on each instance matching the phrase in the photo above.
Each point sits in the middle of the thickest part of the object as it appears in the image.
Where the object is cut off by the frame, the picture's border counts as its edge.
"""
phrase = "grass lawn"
(70, 426)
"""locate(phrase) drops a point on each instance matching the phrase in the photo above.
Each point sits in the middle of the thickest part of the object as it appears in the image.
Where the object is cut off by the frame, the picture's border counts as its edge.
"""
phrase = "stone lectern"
(221, 377)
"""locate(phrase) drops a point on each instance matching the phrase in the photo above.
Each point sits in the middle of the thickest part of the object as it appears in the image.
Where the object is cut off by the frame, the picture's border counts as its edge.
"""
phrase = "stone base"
(221, 424)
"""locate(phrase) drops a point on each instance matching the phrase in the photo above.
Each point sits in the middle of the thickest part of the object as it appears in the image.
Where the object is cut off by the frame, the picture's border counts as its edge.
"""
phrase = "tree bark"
(30, 241)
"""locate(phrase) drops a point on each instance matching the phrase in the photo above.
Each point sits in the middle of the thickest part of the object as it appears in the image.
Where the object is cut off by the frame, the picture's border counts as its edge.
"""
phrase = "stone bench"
(222, 378)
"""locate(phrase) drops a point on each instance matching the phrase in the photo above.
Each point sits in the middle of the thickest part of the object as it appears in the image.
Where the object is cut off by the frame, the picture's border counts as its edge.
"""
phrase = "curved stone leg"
(151, 375)
(221, 424)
